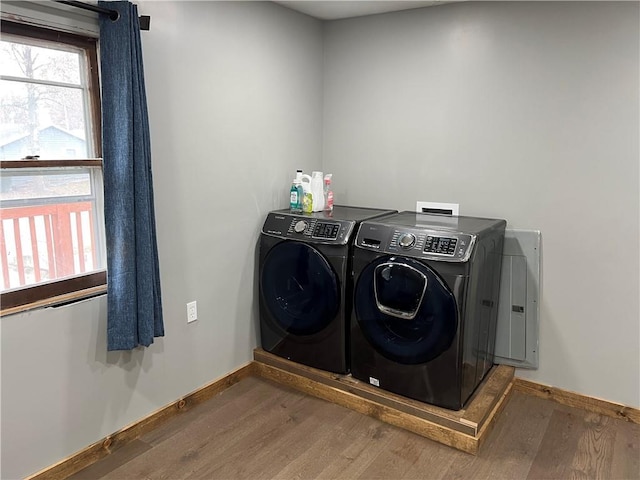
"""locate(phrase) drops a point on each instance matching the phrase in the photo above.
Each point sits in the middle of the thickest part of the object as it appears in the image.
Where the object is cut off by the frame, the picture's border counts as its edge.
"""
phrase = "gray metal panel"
(518, 311)
(511, 340)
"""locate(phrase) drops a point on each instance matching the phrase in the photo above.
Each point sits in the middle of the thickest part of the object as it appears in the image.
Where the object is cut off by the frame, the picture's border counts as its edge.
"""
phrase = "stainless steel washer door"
(405, 310)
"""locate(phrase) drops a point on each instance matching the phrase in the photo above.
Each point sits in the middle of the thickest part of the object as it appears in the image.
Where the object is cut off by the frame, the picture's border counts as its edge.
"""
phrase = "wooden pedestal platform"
(463, 429)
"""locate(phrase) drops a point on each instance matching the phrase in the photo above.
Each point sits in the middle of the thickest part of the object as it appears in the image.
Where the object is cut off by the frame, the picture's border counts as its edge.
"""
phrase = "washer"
(425, 304)
(305, 284)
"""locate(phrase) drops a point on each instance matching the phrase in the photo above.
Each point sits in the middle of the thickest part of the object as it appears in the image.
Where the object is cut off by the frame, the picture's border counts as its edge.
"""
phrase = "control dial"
(300, 226)
(407, 240)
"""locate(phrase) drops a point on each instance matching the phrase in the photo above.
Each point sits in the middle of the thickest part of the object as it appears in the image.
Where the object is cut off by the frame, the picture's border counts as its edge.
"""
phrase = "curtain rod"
(145, 20)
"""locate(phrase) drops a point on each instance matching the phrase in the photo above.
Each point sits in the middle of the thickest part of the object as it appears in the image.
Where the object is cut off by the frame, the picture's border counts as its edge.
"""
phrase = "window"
(51, 218)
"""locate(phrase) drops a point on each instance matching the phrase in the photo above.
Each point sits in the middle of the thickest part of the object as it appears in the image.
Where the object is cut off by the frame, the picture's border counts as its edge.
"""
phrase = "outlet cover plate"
(192, 312)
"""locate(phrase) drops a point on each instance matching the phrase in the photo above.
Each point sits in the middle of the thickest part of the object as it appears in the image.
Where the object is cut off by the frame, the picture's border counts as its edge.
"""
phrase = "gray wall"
(523, 111)
(234, 94)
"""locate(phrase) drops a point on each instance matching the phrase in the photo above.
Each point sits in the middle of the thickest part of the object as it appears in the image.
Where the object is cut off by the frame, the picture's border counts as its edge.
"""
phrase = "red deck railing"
(61, 238)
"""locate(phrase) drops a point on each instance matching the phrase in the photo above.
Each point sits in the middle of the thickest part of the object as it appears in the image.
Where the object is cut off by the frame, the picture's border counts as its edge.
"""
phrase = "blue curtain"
(133, 289)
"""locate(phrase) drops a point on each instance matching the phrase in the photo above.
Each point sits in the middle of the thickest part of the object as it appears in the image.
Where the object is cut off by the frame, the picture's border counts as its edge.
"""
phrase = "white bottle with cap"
(317, 190)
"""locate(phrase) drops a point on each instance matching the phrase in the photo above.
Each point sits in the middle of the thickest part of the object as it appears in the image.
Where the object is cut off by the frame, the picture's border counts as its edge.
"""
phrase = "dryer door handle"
(384, 271)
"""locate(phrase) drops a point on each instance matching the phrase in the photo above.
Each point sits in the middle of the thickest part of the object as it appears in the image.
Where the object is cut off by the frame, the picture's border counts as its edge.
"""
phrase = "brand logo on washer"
(374, 381)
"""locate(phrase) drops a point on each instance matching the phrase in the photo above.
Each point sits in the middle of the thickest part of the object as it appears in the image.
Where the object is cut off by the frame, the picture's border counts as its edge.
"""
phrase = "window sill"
(57, 300)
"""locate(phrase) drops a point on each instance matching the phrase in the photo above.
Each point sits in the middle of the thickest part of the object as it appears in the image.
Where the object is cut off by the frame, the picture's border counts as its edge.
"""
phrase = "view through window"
(51, 228)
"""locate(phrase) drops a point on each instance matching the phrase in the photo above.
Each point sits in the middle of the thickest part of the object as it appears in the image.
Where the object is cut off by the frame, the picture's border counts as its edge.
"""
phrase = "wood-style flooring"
(260, 430)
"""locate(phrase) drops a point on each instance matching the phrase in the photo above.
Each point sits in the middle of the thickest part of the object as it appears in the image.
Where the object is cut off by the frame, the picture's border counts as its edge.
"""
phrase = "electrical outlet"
(192, 311)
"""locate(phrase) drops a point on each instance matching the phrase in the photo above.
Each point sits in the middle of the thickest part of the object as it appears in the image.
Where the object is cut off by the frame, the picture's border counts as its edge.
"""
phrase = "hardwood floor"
(260, 430)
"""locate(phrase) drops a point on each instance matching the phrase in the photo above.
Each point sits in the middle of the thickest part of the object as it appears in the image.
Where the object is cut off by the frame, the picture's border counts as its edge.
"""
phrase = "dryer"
(425, 304)
(305, 284)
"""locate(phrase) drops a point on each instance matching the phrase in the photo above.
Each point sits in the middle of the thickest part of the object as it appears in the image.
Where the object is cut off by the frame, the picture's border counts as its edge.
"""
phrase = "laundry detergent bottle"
(317, 190)
(307, 198)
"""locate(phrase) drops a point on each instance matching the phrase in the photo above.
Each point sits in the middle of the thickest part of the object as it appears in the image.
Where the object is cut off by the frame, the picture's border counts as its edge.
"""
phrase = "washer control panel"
(441, 245)
(419, 243)
(406, 240)
(308, 228)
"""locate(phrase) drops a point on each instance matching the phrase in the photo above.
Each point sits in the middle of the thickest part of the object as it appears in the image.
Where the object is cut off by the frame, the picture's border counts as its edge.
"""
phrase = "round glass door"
(405, 310)
(299, 288)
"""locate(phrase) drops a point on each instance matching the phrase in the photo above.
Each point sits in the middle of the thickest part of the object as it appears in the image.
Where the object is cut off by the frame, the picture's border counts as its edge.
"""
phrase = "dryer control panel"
(417, 243)
(308, 228)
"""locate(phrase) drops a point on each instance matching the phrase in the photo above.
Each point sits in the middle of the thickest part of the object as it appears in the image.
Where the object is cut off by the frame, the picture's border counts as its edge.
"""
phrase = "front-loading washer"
(425, 304)
(305, 284)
